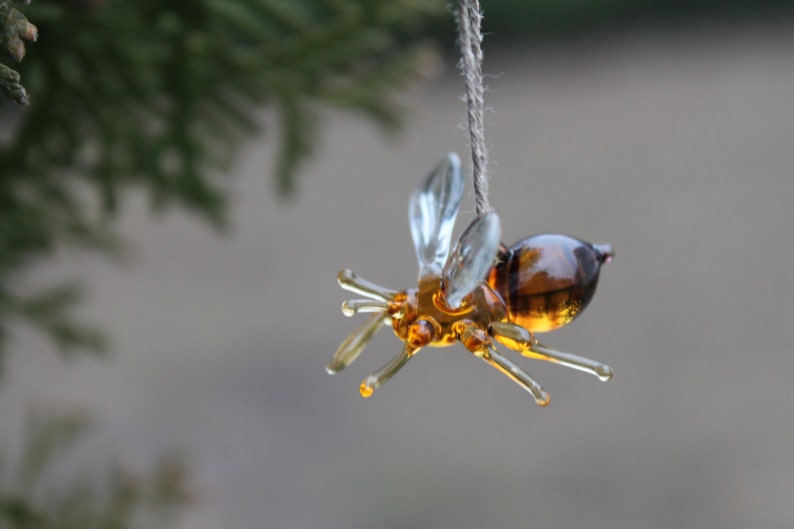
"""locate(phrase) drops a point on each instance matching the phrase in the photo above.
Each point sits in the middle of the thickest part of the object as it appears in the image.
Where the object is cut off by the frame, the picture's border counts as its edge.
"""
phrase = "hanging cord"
(470, 37)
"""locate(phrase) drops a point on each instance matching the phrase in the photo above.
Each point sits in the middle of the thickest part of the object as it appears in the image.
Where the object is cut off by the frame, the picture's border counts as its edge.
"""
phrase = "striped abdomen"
(548, 280)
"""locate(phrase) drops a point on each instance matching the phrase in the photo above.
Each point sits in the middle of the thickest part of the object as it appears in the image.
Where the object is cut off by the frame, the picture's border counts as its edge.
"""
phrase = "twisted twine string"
(470, 39)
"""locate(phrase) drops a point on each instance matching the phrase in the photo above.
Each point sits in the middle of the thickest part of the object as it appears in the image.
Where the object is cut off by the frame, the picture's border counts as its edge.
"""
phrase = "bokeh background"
(671, 137)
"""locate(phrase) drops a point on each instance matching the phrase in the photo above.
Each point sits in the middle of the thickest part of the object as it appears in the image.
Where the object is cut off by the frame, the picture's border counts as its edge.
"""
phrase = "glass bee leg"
(594, 367)
(376, 379)
(352, 307)
(350, 281)
(355, 343)
(517, 375)
(519, 339)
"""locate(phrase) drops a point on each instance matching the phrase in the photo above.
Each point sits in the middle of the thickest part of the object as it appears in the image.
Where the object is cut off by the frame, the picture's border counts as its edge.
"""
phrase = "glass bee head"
(478, 293)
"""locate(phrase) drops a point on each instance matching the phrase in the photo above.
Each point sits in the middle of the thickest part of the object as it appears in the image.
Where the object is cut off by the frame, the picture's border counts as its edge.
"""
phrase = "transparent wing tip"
(432, 211)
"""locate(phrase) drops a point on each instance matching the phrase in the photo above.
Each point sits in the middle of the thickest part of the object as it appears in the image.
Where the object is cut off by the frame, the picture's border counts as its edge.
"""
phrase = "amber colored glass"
(477, 294)
(546, 281)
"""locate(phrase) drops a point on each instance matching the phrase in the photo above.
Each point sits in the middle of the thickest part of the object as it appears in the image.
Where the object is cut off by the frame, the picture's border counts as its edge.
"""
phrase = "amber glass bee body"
(426, 304)
(477, 292)
(546, 281)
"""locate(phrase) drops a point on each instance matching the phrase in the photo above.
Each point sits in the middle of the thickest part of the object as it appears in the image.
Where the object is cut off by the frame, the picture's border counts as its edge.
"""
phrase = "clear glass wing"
(432, 211)
(471, 259)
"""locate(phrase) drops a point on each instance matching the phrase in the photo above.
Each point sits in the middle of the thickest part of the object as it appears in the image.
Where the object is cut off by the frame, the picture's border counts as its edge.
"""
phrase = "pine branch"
(158, 96)
(120, 500)
(14, 29)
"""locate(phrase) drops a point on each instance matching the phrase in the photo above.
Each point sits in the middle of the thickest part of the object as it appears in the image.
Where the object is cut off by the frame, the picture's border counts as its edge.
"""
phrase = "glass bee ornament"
(479, 293)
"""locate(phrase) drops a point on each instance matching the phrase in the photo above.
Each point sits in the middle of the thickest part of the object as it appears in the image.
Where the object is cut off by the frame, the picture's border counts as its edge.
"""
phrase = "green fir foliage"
(30, 497)
(14, 28)
(157, 96)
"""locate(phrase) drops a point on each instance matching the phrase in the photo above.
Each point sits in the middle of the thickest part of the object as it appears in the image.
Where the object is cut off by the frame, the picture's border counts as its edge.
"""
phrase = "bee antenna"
(351, 282)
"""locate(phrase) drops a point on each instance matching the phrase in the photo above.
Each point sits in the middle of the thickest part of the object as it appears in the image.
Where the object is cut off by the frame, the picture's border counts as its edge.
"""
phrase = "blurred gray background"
(676, 146)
